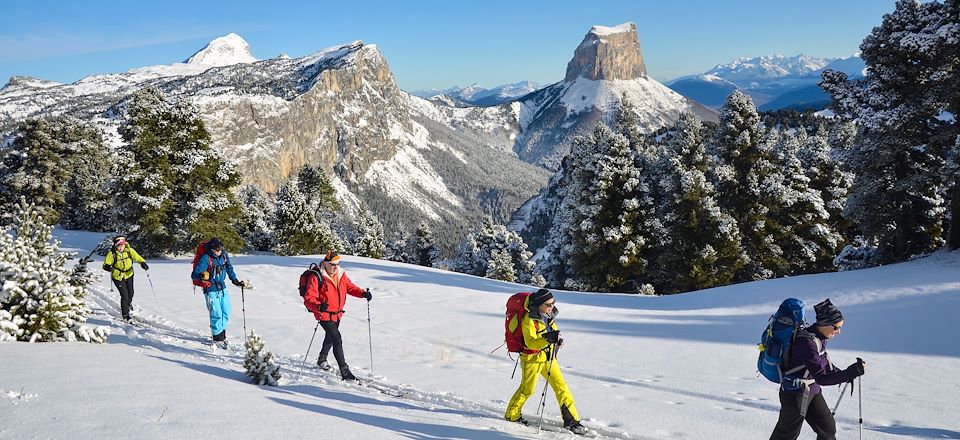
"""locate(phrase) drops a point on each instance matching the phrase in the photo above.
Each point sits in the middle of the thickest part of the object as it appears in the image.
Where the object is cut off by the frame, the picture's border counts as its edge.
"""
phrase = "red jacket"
(333, 291)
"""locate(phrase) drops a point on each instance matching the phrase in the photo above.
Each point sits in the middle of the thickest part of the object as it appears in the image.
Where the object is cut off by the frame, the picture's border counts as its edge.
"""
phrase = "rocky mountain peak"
(223, 51)
(608, 53)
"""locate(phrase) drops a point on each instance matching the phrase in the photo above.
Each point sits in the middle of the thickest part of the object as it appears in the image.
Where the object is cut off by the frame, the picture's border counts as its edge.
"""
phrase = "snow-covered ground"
(639, 367)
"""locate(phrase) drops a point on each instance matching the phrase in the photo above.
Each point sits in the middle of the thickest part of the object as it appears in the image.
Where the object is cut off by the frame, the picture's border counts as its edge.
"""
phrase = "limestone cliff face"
(608, 53)
(343, 121)
(606, 68)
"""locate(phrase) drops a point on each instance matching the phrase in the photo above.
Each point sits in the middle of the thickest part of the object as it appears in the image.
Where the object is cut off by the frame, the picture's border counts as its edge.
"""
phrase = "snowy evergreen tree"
(318, 191)
(500, 267)
(605, 224)
(897, 198)
(482, 246)
(747, 179)
(369, 241)
(259, 363)
(425, 250)
(9, 326)
(35, 287)
(808, 240)
(87, 200)
(41, 161)
(257, 218)
(171, 186)
(297, 230)
(702, 247)
(397, 249)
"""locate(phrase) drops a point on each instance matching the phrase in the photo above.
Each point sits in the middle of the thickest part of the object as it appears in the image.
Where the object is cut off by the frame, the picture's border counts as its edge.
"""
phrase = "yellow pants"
(528, 382)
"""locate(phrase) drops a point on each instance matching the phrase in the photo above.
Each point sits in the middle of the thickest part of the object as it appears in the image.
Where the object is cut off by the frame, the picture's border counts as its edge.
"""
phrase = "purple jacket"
(805, 351)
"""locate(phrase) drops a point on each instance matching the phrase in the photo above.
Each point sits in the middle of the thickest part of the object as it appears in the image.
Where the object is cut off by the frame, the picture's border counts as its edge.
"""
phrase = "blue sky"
(427, 43)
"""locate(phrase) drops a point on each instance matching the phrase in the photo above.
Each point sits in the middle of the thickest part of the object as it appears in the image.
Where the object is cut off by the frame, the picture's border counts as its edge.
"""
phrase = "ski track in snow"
(155, 332)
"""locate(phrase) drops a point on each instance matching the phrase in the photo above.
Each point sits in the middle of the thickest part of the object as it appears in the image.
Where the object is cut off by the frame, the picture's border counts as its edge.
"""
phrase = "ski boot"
(323, 365)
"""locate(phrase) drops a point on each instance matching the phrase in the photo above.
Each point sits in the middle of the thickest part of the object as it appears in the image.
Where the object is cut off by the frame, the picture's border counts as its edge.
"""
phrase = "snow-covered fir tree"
(369, 239)
(318, 191)
(500, 267)
(746, 176)
(808, 240)
(702, 245)
(425, 249)
(257, 218)
(906, 108)
(823, 157)
(87, 200)
(605, 222)
(9, 326)
(35, 287)
(40, 161)
(172, 188)
(297, 230)
(478, 249)
(397, 249)
(259, 363)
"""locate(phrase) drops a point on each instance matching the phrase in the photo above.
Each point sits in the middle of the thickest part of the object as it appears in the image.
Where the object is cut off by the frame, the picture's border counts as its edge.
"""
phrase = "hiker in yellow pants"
(540, 336)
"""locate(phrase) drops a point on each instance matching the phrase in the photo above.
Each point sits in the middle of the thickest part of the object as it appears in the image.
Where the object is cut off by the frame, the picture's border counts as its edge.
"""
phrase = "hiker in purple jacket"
(810, 367)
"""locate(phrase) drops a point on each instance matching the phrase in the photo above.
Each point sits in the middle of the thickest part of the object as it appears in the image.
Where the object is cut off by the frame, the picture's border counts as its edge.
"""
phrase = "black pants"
(332, 339)
(790, 422)
(125, 287)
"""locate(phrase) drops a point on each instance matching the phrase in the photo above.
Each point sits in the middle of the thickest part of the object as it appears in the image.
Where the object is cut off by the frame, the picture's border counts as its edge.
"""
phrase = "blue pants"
(218, 304)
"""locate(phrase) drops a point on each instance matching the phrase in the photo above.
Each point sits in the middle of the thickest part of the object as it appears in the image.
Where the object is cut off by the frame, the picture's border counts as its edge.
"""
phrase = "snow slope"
(638, 367)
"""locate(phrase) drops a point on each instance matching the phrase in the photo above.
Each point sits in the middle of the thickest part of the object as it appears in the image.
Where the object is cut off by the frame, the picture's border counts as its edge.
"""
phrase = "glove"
(366, 294)
(205, 276)
(106, 267)
(324, 307)
(552, 336)
(238, 283)
(144, 266)
(559, 343)
(855, 369)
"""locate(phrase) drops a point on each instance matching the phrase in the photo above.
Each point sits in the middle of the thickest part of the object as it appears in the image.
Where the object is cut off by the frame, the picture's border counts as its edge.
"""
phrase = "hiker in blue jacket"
(212, 271)
(809, 360)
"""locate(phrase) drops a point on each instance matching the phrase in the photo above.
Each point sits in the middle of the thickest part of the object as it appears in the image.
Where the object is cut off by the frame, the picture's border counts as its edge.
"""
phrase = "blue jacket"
(219, 268)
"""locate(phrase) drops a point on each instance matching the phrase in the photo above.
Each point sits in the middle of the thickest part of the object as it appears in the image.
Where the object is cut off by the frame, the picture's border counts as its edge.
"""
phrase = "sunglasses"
(836, 327)
(333, 264)
(549, 304)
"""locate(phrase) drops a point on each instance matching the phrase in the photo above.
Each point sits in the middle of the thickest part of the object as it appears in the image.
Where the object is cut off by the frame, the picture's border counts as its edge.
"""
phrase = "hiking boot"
(345, 374)
(576, 428)
(221, 344)
(323, 365)
(521, 421)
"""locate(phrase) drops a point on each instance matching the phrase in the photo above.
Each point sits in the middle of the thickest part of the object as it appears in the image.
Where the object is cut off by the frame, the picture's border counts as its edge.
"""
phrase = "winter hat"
(539, 297)
(332, 256)
(214, 244)
(118, 240)
(827, 313)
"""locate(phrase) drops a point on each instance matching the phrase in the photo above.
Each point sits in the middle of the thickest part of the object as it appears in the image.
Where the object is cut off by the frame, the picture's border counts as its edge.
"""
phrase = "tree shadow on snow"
(402, 428)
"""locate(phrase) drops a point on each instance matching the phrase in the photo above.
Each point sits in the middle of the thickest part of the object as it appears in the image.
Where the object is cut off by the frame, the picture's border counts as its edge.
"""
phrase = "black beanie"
(827, 313)
(539, 297)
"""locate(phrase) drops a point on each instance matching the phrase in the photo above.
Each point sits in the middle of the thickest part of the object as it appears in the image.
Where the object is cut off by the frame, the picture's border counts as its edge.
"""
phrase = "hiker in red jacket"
(326, 295)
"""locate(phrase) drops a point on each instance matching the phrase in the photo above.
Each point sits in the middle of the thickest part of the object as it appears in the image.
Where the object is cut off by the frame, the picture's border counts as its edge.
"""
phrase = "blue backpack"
(775, 342)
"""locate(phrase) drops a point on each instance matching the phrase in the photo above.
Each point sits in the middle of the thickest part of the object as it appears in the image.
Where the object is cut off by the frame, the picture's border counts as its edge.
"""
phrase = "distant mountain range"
(477, 96)
(774, 82)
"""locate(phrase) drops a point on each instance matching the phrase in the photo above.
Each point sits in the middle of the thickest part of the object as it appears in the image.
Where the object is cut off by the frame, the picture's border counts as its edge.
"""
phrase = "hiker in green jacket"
(119, 262)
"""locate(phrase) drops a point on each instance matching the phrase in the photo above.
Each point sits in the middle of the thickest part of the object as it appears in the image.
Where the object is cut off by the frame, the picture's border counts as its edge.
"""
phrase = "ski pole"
(515, 366)
(543, 396)
(154, 293)
(243, 307)
(860, 405)
(842, 391)
(370, 337)
(308, 350)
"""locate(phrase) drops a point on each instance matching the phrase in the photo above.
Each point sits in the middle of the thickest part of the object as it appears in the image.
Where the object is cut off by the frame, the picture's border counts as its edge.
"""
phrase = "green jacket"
(120, 264)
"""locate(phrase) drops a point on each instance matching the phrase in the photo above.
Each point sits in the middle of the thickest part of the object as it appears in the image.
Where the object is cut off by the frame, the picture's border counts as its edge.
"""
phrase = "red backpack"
(313, 271)
(512, 326)
(201, 251)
